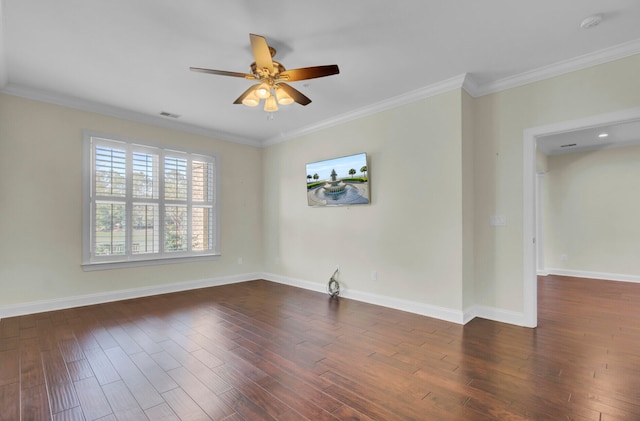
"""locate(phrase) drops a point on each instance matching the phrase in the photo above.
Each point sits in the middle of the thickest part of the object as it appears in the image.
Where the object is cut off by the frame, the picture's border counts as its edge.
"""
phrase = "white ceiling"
(132, 58)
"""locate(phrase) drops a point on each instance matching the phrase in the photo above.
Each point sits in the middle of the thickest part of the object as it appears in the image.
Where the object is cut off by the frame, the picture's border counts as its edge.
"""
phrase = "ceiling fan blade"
(261, 52)
(309, 72)
(297, 96)
(222, 72)
(245, 93)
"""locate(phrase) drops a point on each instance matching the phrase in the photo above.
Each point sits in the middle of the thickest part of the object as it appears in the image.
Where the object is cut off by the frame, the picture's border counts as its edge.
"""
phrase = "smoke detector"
(591, 22)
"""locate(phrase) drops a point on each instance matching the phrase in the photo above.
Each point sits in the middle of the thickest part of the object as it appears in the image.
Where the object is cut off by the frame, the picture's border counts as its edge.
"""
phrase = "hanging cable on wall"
(333, 287)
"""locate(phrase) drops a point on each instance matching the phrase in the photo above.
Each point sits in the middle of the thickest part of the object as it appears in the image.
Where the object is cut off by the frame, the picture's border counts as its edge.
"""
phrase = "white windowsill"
(150, 262)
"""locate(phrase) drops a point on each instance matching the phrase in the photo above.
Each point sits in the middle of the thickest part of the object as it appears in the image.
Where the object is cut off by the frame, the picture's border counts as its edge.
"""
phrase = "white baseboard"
(427, 310)
(436, 312)
(594, 275)
(496, 315)
(105, 297)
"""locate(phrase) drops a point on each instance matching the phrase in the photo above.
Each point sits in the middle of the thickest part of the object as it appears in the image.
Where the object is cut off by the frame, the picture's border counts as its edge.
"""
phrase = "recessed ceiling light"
(591, 21)
(603, 135)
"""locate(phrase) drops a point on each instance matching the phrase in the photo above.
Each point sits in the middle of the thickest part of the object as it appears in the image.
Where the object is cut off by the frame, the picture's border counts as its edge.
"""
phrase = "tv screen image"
(340, 181)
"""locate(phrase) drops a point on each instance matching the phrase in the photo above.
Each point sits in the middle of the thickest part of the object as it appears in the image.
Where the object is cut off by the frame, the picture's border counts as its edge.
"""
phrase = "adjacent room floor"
(264, 351)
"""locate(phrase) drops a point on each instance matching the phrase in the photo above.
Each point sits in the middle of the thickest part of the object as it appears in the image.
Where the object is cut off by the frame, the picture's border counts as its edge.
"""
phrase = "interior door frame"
(530, 139)
(540, 265)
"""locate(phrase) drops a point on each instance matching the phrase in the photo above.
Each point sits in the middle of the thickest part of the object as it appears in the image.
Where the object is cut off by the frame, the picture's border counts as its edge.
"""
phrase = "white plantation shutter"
(202, 204)
(147, 203)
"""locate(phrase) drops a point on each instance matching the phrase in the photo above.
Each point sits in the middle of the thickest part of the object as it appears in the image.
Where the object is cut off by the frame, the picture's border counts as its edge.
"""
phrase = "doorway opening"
(531, 137)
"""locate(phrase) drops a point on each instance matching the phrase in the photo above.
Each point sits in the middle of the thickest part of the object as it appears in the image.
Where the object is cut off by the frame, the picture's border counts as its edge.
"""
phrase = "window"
(145, 204)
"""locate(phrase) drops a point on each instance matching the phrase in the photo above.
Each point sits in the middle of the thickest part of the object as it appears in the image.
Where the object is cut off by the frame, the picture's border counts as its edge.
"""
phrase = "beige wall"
(411, 233)
(40, 205)
(468, 200)
(592, 209)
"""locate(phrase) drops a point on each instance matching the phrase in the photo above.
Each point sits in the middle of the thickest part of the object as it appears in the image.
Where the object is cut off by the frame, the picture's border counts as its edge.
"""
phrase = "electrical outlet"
(374, 275)
(240, 261)
(498, 221)
(564, 258)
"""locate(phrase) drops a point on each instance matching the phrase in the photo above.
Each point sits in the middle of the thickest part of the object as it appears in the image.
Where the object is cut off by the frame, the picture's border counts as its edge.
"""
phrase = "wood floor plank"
(210, 403)
(73, 414)
(123, 404)
(62, 396)
(55, 369)
(31, 369)
(256, 393)
(104, 371)
(35, 404)
(197, 368)
(9, 327)
(153, 372)
(71, 350)
(161, 412)
(165, 361)
(126, 342)
(79, 369)
(184, 406)
(144, 392)
(9, 367)
(245, 406)
(92, 399)
(10, 402)
(141, 338)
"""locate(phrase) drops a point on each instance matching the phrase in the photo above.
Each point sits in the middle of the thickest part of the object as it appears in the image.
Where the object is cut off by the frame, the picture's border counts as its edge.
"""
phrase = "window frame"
(91, 261)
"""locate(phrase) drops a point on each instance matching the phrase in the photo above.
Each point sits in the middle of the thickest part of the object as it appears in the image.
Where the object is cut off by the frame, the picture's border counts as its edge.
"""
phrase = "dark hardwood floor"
(264, 351)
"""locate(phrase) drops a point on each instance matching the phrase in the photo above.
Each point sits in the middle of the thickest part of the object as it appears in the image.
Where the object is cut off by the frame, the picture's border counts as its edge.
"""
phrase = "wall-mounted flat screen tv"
(339, 181)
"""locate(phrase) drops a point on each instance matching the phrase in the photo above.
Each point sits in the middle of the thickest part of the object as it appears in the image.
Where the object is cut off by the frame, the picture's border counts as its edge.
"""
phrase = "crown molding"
(396, 101)
(83, 105)
(556, 69)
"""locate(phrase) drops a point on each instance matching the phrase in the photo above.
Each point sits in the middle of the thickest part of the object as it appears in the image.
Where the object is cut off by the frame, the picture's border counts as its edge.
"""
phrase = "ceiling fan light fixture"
(263, 91)
(283, 97)
(270, 104)
(251, 100)
(269, 78)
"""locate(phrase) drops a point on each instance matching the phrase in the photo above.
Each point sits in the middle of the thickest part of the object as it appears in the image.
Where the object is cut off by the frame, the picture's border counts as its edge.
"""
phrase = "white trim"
(530, 137)
(540, 221)
(436, 312)
(497, 315)
(562, 67)
(397, 101)
(126, 294)
(530, 286)
(621, 277)
(94, 107)
(88, 267)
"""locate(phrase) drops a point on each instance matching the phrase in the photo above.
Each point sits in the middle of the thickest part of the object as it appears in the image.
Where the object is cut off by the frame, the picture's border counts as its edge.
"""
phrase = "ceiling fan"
(272, 77)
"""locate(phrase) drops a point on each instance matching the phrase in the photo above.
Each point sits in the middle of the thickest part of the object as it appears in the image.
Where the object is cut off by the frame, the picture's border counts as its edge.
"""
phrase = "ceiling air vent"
(167, 114)
(568, 145)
